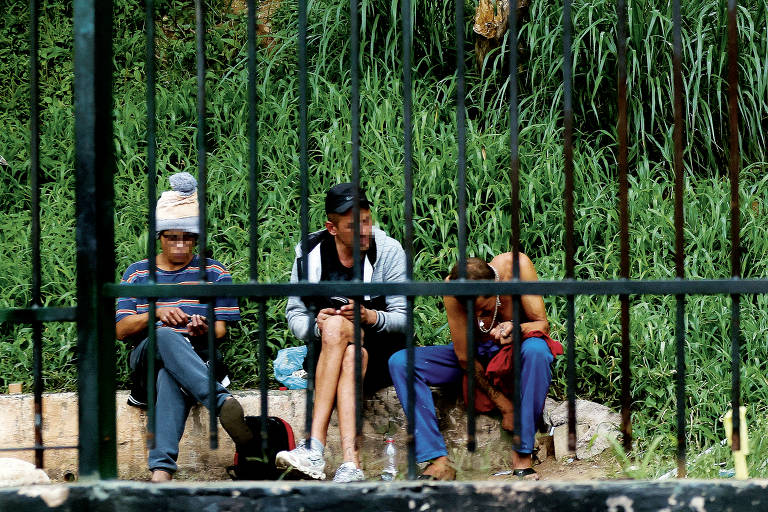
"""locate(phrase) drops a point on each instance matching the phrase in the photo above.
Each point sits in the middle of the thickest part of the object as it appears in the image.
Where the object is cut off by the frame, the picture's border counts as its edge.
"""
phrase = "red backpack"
(251, 462)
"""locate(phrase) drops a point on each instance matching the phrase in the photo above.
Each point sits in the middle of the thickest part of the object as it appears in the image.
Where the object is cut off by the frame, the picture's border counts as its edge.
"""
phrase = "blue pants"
(438, 365)
(181, 382)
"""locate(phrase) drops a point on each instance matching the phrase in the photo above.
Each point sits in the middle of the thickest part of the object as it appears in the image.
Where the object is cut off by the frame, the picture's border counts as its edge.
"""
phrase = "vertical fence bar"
(624, 269)
(151, 219)
(37, 362)
(406, 20)
(462, 185)
(253, 212)
(410, 411)
(569, 237)
(679, 240)
(34, 183)
(514, 179)
(34, 147)
(303, 176)
(354, 64)
(354, 68)
(94, 165)
(201, 195)
(680, 386)
(461, 135)
(733, 167)
(263, 377)
(469, 304)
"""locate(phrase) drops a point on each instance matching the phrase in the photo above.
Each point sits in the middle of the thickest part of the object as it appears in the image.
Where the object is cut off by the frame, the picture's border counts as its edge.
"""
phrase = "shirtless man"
(443, 364)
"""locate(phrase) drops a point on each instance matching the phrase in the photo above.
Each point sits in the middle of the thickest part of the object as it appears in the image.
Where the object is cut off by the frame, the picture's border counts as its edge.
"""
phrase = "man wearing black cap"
(328, 323)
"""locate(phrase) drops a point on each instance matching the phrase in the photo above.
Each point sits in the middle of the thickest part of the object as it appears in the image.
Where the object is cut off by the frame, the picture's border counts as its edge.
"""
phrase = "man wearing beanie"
(327, 322)
(182, 330)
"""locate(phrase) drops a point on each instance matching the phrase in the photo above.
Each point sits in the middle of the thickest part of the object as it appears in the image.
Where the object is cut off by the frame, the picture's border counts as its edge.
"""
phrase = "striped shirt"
(225, 308)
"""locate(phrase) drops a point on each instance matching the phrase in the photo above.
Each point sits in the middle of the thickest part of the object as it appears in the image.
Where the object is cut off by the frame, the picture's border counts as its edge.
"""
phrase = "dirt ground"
(602, 467)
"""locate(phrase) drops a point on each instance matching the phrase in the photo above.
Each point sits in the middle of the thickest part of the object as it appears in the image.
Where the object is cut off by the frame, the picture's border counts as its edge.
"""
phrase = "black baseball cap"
(341, 198)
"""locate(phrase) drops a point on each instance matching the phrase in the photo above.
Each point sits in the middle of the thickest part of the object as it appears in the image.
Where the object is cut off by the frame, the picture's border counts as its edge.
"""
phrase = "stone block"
(382, 414)
(16, 472)
(596, 425)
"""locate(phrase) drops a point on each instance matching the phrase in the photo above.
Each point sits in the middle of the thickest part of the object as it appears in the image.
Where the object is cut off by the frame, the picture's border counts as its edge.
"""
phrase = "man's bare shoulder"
(503, 264)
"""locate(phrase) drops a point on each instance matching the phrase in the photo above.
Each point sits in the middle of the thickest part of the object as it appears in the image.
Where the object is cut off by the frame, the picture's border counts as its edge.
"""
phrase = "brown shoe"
(233, 420)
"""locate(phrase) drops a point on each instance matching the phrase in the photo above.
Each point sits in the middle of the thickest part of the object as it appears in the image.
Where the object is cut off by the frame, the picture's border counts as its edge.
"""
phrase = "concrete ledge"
(683, 495)
(197, 461)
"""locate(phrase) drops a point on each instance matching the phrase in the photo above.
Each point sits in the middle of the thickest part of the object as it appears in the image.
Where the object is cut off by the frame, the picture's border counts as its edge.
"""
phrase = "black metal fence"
(95, 230)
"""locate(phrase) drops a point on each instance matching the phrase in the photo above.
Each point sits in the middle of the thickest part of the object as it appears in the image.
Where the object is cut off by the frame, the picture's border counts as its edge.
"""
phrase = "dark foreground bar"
(485, 496)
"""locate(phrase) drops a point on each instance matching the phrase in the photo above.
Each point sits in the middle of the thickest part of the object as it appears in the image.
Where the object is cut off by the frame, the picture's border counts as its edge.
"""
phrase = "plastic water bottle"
(390, 470)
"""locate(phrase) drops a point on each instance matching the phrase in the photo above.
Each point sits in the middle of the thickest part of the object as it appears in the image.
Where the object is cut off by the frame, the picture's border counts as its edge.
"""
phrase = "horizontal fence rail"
(457, 288)
(38, 314)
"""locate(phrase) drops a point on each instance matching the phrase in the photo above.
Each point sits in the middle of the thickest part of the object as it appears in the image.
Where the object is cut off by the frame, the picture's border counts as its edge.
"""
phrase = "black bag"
(251, 463)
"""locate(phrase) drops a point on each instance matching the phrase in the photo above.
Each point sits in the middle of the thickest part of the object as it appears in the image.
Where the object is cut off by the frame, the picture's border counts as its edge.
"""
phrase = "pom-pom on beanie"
(178, 208)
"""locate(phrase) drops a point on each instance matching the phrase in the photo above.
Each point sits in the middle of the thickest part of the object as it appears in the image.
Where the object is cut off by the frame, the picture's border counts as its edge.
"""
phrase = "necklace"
(495, 309)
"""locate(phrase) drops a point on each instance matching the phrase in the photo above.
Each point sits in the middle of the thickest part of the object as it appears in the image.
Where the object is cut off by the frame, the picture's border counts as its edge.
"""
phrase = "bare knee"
(348, 361)
(337, 332)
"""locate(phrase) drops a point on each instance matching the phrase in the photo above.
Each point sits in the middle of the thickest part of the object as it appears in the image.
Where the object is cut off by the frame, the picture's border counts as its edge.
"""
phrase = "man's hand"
(367, 316)
(172, 316)
(503, 333)
(508, 420)
(323, 315)
(197, 326)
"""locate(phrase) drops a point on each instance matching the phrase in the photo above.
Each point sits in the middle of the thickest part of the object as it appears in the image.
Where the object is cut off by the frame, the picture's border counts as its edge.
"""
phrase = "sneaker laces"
(302, 450)
(348, 472)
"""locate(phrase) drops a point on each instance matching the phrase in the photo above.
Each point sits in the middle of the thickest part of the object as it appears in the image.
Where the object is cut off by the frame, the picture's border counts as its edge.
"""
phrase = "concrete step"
(197, 461)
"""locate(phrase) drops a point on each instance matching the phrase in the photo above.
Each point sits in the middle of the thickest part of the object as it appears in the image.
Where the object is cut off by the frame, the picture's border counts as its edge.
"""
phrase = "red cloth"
(501, 368)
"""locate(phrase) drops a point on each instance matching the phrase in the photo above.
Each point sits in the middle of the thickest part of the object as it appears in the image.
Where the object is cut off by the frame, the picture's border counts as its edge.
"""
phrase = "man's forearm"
(497, 397)
(538, 325)
(131, 325)
(300, 322)
(393, 319)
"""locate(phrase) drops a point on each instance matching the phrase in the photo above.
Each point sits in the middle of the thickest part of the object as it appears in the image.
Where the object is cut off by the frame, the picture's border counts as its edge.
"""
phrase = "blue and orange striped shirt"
(225, 308)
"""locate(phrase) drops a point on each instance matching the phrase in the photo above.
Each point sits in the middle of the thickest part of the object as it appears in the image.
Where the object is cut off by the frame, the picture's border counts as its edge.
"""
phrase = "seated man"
(329, 325)
(182, 329)
(443, 364)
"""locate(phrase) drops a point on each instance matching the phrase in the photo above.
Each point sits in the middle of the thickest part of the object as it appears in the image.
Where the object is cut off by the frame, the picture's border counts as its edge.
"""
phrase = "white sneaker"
(348, 472)
(303, 459)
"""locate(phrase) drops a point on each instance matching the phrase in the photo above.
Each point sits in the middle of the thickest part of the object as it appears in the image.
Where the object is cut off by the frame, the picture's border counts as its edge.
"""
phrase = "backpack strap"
(289, 431)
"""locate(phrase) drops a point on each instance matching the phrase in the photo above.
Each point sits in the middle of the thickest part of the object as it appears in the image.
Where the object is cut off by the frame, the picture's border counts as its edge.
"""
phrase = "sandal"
(523, 473)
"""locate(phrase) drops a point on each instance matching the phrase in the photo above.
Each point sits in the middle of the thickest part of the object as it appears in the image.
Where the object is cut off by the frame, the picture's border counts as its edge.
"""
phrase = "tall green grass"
(435, 199)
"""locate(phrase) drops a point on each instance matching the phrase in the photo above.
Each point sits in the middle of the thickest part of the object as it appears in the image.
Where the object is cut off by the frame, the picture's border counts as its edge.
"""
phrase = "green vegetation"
(435, 200)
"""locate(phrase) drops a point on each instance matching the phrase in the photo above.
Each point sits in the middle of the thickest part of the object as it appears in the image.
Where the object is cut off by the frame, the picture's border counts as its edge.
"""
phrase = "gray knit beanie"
(178, 208)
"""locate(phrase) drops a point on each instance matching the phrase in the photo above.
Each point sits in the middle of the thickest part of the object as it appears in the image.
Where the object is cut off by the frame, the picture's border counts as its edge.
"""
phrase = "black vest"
(333, 270)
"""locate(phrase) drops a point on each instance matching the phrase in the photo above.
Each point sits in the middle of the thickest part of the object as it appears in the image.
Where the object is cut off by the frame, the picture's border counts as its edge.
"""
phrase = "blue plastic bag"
(289, 367)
